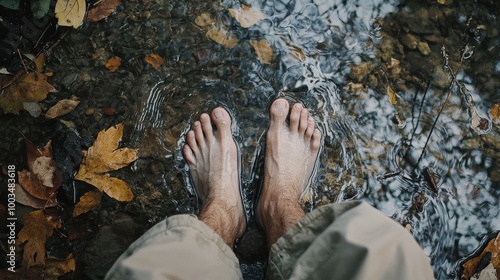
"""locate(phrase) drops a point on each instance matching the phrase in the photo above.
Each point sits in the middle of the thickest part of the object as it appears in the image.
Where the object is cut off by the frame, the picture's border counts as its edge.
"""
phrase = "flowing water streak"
(150, 113)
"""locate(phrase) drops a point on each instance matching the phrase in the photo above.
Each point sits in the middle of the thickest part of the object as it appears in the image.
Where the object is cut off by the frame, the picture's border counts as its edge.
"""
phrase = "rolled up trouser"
(349, 240)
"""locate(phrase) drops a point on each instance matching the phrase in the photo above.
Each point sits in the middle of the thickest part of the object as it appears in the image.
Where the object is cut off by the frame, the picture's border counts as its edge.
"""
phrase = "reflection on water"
(448, 195)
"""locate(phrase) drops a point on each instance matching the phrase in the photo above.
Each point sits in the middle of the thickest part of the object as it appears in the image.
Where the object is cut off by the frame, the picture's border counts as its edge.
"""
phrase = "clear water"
(373, 149)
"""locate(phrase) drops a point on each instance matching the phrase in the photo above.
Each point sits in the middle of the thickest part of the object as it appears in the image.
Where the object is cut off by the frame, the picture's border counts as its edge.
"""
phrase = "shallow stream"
(374, 75)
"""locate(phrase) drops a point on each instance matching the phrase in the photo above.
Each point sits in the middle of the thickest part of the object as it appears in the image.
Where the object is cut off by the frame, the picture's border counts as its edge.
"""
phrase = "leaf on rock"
(35, 232)
(88, 201)
(103, 10)
(263, 50)
(495, 113)
(246, 15)
(493, 248)
(113, 63)
(392, 95)
(105, 156)
(70, 12)
(28, 87)
(204, 20)
(223, 37)
(55, 268)
(155, 60)
(62, 107)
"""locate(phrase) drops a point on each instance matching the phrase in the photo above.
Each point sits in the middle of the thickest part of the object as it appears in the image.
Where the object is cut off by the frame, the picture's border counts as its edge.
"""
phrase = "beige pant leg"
(349, 240)
(180, 247)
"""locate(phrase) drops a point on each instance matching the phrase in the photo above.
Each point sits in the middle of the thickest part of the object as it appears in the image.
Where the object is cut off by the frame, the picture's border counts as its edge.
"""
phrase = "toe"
(304, 114)
(316, 140)
(198, 134)
(188, 154)
(191, 141)
(310, 128)
(278, 112)
(295, 116)
(206, 126)
(222, 121)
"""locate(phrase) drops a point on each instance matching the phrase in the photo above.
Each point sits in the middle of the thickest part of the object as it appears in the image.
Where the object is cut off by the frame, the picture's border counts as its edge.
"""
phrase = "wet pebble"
(424, 48)
(179, 11)
(109, 111)
(409, 41)
(68, 81)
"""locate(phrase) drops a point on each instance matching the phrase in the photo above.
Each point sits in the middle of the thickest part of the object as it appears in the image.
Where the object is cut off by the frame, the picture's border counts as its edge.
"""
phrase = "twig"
(22, 61)
(452, 83)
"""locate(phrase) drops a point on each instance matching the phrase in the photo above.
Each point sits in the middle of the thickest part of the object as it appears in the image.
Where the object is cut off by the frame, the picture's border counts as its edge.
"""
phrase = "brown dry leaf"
(246, 15)
(495, 113)
(28, 87)
(70, 12)
(103, 10)
(263, 50)
(55, 268)
(223, 37)
(155, 60)
(113, 63)
(40, 62)
(204, 20)
(35, 232)
(88, 201)
(25, 198)
(493, 247)
(105, 156)
(42, 180)
(62, 107)
(392, 95)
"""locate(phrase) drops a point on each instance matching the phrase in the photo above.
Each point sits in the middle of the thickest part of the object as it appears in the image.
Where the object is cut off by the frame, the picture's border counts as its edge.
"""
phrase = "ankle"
(276, 216)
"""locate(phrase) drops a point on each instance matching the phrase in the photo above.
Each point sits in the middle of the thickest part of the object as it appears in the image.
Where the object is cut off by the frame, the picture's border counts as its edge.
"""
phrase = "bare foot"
(212, 157)
(291, 152)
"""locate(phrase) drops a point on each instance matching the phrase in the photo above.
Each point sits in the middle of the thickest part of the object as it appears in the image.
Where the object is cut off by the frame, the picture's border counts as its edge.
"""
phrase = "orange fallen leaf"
(113, 63)
(103, 10)
(495, 113)
(105, 156)
(493, 247)
(88, 201)
(155, 60)
(35, 232)
(263, 50)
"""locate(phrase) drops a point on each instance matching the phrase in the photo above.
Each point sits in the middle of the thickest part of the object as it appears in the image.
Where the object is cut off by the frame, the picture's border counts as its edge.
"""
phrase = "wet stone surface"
(339, 59)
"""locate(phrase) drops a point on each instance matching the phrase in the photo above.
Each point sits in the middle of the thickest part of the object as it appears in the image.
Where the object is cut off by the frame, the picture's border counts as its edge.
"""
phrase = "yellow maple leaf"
(36, 230)
(105, 156)
(70, 12)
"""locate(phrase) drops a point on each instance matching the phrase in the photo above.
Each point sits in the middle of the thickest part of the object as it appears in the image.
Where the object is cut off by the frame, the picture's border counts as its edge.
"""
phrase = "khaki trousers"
(349, 240)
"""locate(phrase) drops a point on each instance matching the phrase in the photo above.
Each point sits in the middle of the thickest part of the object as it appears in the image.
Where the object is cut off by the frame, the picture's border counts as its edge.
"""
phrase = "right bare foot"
(291, 152)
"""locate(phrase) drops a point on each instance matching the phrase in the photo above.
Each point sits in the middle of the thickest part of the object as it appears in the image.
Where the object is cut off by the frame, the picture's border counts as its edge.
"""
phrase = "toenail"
(218, 114)
(280, 104)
